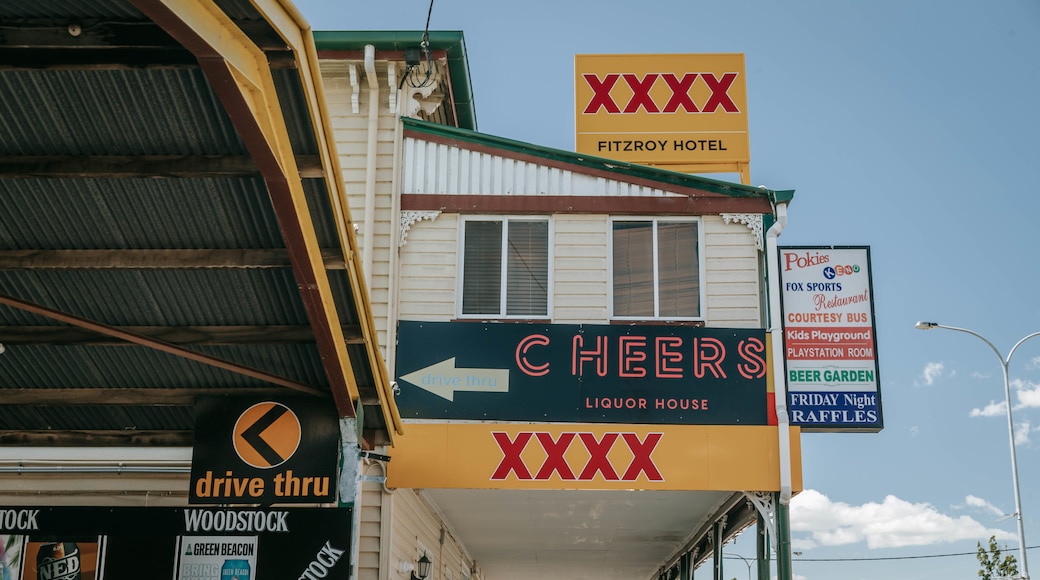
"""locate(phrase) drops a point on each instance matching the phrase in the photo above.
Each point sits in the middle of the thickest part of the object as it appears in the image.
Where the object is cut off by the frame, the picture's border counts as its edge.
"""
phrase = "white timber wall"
(391, 524)
(429, 269)
(580, 266)
(429, 266)
(581, 286)
(350, 131)
(731, 272)
(418, 528)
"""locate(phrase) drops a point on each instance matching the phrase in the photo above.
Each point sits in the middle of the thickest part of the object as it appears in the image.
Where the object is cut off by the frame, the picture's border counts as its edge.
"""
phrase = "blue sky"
(907, 126)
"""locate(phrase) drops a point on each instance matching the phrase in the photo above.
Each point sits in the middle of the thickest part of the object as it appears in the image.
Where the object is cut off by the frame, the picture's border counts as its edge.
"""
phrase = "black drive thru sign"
(264, 451)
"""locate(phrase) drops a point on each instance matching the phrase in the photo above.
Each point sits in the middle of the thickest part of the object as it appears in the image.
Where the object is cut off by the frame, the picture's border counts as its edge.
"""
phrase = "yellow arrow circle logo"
(267, 434)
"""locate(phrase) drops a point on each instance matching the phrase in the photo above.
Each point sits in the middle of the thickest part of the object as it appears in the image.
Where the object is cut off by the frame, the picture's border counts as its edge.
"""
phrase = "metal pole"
(1004, 363)
(762, 549)
(783, 542)
(746, 562)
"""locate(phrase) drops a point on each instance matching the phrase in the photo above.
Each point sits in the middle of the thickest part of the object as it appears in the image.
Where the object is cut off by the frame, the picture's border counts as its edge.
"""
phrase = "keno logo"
(680, 88)
(839, 270)
(598, 463)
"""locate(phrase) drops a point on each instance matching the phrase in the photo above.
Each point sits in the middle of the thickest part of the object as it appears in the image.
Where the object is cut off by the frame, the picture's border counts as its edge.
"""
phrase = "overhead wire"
(881, 558)
(424, 47)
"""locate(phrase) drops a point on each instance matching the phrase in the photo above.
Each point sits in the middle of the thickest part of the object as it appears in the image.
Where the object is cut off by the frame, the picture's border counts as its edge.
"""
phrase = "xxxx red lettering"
(554, 460)
(599, 461)
(641, 97)
(512, 460)
(720, 93)
(641, 93)
(641, 462)
(602, 97)
(680, 93)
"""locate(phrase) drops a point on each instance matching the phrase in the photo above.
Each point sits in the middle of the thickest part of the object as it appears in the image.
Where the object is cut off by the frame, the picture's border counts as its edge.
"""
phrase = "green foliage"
(992, 565)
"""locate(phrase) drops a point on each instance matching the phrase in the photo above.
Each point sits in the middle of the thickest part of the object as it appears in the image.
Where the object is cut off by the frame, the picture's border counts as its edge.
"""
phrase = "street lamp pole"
(1004, 362)
(746, 562)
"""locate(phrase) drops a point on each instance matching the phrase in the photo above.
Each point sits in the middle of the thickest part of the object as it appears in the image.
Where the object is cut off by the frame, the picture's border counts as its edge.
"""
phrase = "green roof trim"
(452, 42)
(601, 163)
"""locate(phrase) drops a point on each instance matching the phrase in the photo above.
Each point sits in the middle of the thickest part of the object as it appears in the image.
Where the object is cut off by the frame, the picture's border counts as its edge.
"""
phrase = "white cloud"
(1034, 363)
(1028, 394)
(893, 523)
(931, 372)
(978, 503)
(1022, 431)
(993, 409)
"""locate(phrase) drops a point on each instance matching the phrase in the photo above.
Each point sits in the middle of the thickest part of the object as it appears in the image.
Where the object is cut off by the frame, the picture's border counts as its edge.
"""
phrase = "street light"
(1004, 362)
(746, 562)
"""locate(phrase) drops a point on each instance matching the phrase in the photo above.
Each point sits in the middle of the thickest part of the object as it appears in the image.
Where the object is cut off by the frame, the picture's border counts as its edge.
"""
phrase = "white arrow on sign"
(443, 379)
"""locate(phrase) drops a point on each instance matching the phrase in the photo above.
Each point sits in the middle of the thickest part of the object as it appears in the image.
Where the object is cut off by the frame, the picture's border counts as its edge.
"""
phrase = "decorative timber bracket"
(752, 220)
(409, 217)
(765, 503)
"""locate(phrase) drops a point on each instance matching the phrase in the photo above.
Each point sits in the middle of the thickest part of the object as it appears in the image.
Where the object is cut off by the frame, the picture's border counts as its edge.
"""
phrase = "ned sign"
(830, 347)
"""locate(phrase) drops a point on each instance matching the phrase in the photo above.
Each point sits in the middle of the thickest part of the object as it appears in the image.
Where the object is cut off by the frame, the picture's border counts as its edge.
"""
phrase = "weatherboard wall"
(580, 274)
(418, 529)
(351, 132)
(370, 540)
(392, 523)
(581, 284)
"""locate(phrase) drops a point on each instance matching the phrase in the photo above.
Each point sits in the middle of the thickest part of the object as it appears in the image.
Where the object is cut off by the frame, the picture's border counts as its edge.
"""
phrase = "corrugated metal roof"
(121, 10)
(178, 213)
(145, 198)
(73, 112)
(162, 297)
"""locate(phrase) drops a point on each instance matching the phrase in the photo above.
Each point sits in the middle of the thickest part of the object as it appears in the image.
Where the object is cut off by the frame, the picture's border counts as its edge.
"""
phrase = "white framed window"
(657, 270)
(505, 267)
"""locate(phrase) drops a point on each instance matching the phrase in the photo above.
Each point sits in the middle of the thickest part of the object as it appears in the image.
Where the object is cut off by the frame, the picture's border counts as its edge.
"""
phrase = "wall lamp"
(420, 570)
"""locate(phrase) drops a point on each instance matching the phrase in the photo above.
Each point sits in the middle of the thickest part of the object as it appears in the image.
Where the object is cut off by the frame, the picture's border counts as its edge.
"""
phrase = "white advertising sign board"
(830, 345)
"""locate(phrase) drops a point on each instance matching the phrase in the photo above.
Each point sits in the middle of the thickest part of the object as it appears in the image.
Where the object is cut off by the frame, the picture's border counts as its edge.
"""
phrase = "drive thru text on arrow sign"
(443, 379)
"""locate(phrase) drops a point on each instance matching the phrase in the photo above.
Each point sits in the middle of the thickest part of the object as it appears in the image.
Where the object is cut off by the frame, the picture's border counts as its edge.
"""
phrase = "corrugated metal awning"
(173, 223)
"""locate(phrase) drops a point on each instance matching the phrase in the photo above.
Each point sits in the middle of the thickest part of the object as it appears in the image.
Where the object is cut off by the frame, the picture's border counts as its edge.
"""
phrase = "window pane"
(677, 270)
(482, 271)
(527, 275)
(633, 269)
